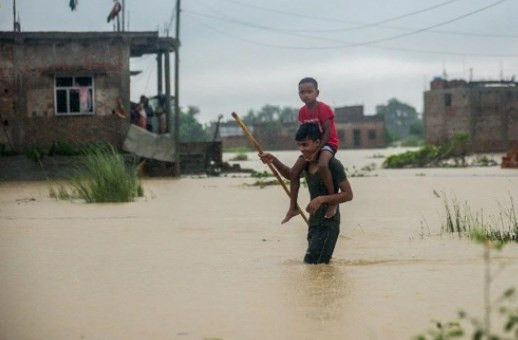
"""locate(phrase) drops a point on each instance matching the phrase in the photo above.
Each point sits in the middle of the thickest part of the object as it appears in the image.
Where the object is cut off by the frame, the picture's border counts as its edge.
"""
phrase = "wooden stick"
(271, 166)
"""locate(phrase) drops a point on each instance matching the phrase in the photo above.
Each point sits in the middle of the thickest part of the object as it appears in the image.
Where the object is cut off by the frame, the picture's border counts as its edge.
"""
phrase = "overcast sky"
(238, 55)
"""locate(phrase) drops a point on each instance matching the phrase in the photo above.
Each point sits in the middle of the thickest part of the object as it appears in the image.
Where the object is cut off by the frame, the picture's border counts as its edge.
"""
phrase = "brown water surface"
(206, 258)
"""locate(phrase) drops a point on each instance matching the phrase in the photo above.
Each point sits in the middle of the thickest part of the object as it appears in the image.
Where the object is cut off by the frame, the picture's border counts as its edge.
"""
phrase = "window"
(372, 134)
(356, 138)
(447, 99)
(74, 95)
(341, 135)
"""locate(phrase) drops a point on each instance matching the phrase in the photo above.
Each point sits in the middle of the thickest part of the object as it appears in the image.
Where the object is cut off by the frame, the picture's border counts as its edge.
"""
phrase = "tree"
(288, 115)
(269, 113)
(250, 118)
(417, 129)
(399, 118)
(190, 129)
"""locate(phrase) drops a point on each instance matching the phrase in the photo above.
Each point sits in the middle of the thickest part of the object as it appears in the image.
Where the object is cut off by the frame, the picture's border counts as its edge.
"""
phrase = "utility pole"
(177, 94)
(14, 15)
(123, 15)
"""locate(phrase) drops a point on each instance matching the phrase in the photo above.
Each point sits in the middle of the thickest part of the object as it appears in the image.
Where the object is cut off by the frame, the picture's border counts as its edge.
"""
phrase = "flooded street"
(207, 258)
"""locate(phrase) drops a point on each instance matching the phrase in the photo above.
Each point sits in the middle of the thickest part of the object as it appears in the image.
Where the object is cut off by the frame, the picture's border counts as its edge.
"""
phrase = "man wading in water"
(322, 232)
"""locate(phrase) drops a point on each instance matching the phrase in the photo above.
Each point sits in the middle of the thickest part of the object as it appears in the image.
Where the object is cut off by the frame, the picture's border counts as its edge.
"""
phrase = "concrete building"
(485, 110)
(66, 86)
(358, 131)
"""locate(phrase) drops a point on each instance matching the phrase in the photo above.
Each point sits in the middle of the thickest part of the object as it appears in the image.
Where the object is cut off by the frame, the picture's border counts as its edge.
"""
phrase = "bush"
(240, 157)
(418, 158)
(104, 177)
(412, 141)
(237, 149)
(432, 155)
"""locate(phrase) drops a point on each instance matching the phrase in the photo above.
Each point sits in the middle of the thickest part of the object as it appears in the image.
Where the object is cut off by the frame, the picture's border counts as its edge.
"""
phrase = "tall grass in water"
(103, 177)
(493, 235)
(464, 222)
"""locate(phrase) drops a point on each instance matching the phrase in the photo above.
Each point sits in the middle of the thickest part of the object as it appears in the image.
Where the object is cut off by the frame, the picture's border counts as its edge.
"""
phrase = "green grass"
(462, 220)
(102, 176)
(60, 193)
(240, 157)
(454, 149)
(237, 149)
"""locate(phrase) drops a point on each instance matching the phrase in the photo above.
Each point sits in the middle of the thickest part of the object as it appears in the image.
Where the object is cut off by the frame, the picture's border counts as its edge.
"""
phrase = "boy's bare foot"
(290, 214)
(330, 211)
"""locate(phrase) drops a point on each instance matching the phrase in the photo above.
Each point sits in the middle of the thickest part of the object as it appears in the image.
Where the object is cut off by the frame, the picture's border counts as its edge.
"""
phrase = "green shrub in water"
(104, 177)
(240, 157)
(455, 148)
(237, 149)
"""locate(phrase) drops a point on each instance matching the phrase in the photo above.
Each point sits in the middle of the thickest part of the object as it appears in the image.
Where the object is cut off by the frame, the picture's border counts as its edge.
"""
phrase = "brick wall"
(346, 132)
(27, 106)
(7, 91)
(488, 114)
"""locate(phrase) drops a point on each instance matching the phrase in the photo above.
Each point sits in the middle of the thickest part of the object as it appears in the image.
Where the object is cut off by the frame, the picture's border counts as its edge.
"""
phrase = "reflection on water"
(322, 289)
(315, 287)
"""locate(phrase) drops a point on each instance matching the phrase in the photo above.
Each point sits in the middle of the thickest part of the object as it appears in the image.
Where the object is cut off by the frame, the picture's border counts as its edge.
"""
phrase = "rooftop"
(141, 43)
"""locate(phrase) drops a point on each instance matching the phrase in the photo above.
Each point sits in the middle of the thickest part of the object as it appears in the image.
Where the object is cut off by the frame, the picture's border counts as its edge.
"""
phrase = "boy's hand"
(314, 205)
(266, 157)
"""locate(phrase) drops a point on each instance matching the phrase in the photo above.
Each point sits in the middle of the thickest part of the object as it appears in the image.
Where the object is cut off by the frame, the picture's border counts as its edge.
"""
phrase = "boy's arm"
(283, 169)
(345, 194)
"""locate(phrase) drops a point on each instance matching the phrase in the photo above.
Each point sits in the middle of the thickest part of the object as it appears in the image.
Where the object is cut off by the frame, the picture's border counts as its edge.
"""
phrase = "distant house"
(487, 111)
(230, 134)
(358, 131)
(354, 129)
(66, 86)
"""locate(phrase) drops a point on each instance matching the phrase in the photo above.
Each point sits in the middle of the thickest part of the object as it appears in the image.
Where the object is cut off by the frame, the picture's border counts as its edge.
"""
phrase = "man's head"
(308, 138)
(308, 90)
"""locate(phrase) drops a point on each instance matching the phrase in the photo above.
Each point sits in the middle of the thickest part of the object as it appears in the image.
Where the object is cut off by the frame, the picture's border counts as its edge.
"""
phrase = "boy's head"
(308, 138)
(308, 90)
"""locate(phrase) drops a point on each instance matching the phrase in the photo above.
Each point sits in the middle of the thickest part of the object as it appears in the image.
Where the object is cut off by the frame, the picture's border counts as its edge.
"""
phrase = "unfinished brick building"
(357, 131)
(65, 86)
(485, 110)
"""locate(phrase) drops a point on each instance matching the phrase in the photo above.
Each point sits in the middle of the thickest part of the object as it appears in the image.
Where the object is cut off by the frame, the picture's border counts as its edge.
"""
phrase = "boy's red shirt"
(319, 115)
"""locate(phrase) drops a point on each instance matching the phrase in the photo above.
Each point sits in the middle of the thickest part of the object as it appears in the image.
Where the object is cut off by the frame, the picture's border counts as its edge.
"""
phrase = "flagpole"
(14, 15)
(123, 15)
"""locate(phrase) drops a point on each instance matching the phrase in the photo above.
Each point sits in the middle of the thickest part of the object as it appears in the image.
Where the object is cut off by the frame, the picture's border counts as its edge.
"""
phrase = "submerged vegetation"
(239, 157)
(466, 326)
(493, 234)
(365, 171)
(462, 220)
(264, 179)
(237, 149)
(102, 176)
(452, 153)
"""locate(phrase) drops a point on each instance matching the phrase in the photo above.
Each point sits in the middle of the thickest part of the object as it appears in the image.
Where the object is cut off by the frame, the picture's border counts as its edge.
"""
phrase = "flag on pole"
(115, 11)
(73, 4)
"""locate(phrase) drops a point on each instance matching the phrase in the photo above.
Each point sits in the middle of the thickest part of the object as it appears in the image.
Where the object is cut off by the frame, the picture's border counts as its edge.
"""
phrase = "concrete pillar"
(159, 72)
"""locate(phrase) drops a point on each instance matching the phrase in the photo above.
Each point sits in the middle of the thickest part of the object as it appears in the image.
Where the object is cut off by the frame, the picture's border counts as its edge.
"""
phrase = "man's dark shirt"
(317, 188)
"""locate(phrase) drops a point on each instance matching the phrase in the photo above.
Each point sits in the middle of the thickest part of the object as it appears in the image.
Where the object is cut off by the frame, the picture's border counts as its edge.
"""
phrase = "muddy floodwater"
(206, 258)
